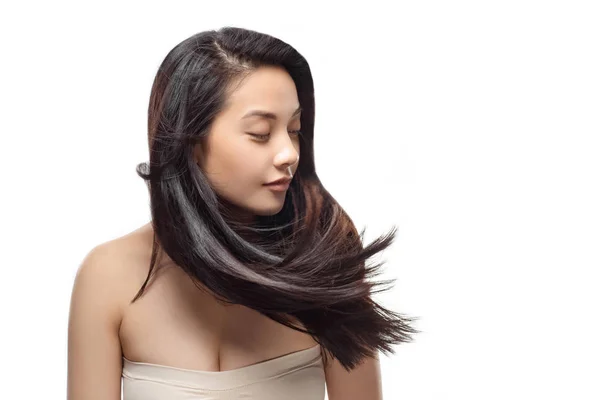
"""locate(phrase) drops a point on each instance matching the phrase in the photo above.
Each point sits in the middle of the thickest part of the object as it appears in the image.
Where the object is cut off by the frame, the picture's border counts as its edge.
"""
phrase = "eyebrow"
(269, 115)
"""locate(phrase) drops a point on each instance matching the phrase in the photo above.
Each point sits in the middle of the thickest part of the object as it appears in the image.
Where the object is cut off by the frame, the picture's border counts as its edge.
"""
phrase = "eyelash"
(262, 137)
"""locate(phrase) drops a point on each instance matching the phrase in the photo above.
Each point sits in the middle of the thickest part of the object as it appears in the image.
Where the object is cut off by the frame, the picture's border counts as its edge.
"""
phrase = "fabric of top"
(294, 376)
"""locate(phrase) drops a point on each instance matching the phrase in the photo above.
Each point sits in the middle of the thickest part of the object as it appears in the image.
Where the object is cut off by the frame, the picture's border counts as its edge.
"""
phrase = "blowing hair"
(306, 267)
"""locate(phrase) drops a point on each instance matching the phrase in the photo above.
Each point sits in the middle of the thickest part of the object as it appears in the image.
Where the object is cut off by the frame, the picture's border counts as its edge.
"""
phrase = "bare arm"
(362, 383)
(94, 349)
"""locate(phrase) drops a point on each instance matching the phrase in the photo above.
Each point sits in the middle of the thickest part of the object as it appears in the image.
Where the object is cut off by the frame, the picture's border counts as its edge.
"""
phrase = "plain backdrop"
(472, 126)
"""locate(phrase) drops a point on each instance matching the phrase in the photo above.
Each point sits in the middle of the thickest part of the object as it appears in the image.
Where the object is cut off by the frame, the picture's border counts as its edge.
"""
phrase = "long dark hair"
(308, 263)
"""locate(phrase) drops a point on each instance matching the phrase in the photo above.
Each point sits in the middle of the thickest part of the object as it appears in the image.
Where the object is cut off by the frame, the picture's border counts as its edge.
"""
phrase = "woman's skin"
(237, 164)
(174, 323)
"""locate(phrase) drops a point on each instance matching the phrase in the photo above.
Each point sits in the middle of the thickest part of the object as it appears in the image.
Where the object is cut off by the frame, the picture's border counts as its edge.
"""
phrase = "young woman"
(238, 287)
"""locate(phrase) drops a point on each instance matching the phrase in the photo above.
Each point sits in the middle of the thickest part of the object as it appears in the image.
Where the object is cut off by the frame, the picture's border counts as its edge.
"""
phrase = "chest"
(176, 324)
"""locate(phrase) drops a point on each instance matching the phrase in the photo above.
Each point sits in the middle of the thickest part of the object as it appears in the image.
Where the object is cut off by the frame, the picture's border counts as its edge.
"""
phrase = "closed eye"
(297, 132)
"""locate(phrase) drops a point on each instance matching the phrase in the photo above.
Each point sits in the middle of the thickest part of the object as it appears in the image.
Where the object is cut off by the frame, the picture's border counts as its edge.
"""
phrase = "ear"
(198, 153)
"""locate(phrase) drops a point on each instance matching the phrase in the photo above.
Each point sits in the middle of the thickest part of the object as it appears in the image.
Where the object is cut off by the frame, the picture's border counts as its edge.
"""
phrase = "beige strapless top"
(294, 376)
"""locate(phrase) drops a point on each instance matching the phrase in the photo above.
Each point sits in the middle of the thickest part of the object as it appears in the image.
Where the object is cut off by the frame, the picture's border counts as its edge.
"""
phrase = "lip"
(279, 187)
(282, 181)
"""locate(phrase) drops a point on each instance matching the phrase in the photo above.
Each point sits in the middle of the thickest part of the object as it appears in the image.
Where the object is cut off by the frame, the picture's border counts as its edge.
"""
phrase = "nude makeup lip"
(280, 180)
(279, 187)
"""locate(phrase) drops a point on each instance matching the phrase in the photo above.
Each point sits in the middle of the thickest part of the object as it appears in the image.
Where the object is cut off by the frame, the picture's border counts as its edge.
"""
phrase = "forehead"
(269, 87)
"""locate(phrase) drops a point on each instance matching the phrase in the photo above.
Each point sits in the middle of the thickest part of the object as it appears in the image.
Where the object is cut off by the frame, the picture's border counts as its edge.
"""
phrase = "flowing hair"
(308, 269)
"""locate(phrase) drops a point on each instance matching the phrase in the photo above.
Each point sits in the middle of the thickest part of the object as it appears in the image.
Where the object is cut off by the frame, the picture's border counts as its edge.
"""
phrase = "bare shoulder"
(102, 288)
(363, 382)
(115, 268)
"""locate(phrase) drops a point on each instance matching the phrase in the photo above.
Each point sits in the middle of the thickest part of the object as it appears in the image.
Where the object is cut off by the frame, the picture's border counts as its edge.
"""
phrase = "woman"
(237, 288)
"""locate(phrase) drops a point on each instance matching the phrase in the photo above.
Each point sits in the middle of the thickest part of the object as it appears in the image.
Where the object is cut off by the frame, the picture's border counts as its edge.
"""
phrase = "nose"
(287, 158)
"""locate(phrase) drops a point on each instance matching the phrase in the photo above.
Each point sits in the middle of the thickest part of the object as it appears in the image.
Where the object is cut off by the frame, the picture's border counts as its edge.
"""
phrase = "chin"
(267, 211)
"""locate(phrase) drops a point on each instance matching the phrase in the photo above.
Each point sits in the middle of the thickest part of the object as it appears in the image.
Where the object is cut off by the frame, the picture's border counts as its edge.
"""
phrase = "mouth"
(282, 181)
(279, 187)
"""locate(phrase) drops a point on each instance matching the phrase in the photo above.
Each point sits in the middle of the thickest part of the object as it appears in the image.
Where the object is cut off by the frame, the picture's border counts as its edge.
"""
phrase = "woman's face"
(237, 164)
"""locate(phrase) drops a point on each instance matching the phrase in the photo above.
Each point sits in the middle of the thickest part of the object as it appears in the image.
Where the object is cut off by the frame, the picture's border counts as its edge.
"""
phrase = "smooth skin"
(103, 327)
(244, 151)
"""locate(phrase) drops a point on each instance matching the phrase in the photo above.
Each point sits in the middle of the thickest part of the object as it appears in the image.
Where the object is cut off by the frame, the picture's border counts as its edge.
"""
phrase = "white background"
(473, 126)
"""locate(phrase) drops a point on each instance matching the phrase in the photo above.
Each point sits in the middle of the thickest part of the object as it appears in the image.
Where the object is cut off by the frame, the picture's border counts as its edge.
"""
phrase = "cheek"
(233, 163)
(238, 160)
